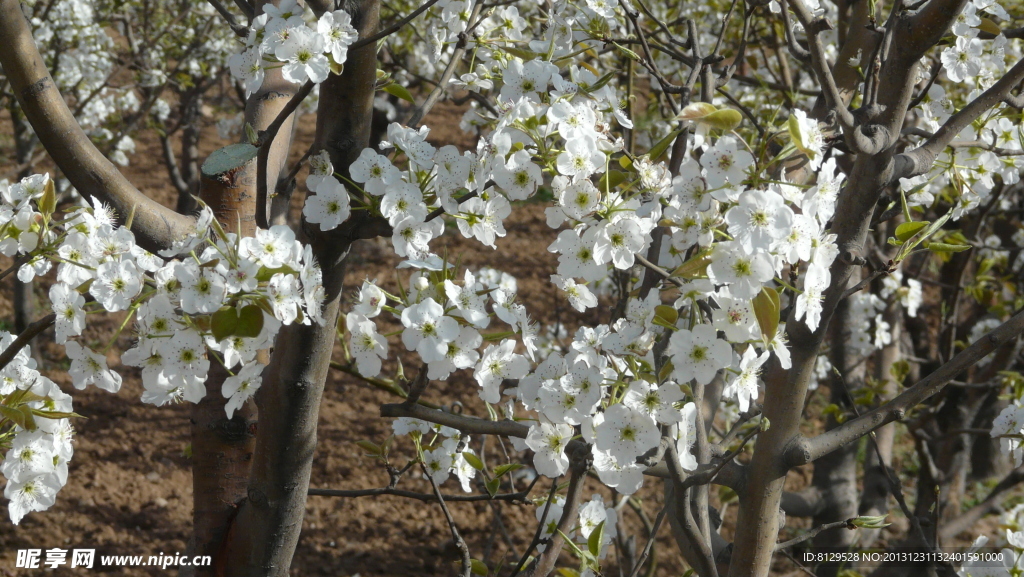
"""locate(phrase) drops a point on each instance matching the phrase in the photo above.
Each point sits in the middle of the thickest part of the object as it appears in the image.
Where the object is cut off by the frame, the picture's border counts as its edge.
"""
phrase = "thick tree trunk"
(835, 475)
(190, 137)
(875, 496)
(222, 448)
(263, 538)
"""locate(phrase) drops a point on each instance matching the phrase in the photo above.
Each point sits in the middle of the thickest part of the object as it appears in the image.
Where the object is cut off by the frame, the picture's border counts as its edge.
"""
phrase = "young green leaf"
(767, 309)
(500, 471)
(399, 91)
(479, 567)
(594, 541)
(473, 461)
(224, 322)
(908, 229)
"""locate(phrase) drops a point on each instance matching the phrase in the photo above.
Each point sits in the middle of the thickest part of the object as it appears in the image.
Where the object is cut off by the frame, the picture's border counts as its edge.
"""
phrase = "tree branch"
(469, 425)
(238, 29)
(467, 564)
(806, 450)
(25, 338)
(449, 71)
(394, 27)
(920, 160)
(265, 143)
(579, 463)
(155, 226)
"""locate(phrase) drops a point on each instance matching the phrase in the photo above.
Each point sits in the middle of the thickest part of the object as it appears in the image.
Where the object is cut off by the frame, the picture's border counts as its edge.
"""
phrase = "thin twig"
(467, 564)
(22, 259)
(650, 542)
(446, 76)
(393, 28)
(519, 497)
(813, 533)
(24, 338)
(894, 484)
(540, 527)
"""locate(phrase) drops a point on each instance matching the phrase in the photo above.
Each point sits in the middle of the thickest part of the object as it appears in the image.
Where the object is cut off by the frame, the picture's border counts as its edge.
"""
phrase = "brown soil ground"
(130, 485)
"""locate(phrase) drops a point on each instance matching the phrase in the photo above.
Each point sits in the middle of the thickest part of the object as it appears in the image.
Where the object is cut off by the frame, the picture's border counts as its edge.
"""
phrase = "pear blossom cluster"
(282, 36)
(735, 229)
(1008, 557)
(38, 450)
(558, 122)
(211, 296)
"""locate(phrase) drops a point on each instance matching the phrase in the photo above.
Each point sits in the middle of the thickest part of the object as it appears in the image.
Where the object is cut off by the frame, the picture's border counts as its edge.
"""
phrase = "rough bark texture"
(758, 527)
(835, 475)
(222, 448)
(267, 528)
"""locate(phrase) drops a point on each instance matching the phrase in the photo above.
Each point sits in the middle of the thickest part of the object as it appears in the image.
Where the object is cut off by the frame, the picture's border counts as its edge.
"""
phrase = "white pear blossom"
(698, 354)
(498, 363)
(548, 442)
(367, 347)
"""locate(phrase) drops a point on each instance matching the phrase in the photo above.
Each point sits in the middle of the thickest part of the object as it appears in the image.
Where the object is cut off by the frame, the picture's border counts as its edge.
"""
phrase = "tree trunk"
(835, 475)
(190, 137)
(222, 448)
(264, 535)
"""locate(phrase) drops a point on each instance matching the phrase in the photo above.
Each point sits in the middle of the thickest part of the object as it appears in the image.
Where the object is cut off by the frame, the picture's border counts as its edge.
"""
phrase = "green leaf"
(250, 134)
(625, 162)
(55, 414)
(987, 25)
(250, 322)
(48, 202)
(611, 179)
(371, 448)
(13, 415)
(524, 54)
(767, 309)
(473, 461)
(920, 237)
(667, 314)
(629, 53)
(399, 91)
(726, 495)
(900, 370)
(707, 113)
(665, 371)
(660, 147)
(869, 522)
(492, 486)
(265, 274)
(907, 230)
(594, 541)
(336, 67)
(946, 247)
(223, 323)
(696, 267)
(30, 420)
(479, 567)
(500, 471)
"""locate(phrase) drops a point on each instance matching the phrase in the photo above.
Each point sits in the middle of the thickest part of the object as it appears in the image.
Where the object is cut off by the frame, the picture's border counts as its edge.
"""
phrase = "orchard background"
(743, 278)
